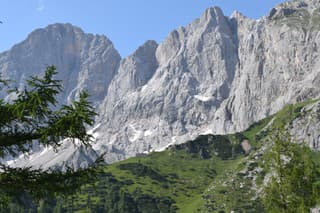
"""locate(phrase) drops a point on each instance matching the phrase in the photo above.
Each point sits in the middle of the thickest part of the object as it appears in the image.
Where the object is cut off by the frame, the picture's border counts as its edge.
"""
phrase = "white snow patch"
(207, 132)
(161, 149)
(174, 139)
(45, 150)
(147, 133)
(77, 142)
(47, 156)
(144, 88)
(203, 98)
(136, 134)
(94, 128)
(69, 98)
(95, 135)
(22, 156)
(10, 162)
(93, 131)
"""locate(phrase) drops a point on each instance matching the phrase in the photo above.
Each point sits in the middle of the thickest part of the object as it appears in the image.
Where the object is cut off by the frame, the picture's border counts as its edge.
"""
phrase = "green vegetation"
(209, 174)
(315, 19)
(298, 18)
(295, 18)
(169, 181)
(296, 183)
(242, 189)
(29, 117)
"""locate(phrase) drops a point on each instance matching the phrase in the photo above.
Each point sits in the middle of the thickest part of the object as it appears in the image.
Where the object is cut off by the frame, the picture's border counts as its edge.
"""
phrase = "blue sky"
(127, 23)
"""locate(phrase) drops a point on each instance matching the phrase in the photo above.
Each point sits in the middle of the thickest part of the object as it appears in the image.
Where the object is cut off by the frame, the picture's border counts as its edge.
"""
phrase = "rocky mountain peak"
(212, 13)
(237, 15)
(78, 57)
(134, 72)
(213, 17)
(59, 28)
(145, 49)
(56, 33)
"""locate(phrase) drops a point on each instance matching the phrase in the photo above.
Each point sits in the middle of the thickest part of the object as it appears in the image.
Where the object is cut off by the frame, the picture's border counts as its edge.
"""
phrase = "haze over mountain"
(216, 75)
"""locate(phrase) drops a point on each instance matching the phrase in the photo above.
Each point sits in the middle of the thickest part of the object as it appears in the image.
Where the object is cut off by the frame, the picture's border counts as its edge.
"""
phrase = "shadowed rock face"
(216, 75)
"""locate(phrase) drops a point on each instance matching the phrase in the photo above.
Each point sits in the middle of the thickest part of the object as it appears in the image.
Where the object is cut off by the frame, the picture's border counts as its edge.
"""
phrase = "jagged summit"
(213, 17)
(212, 13)
(72, 51)
(215, 75)
(237, 14)
(134, 72)
(58, 27)
(144, 48)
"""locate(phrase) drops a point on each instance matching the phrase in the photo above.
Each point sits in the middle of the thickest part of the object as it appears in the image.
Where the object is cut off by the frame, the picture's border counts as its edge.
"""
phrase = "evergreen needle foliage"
(295, 186)
(33, 116)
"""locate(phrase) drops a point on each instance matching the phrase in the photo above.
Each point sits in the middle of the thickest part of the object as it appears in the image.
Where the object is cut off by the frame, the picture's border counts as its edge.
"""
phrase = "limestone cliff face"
(190, 75)
(278, 62)
(216, 75)
(84, 61)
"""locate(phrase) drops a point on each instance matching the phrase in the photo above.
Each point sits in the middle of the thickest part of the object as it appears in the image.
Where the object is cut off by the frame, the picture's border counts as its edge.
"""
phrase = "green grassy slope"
(208, 174)
(169, 181)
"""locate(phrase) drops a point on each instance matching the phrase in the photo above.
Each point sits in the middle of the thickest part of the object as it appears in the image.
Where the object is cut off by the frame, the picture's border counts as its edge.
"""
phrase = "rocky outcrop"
(216, 75)
(306, 128)
(134, 72)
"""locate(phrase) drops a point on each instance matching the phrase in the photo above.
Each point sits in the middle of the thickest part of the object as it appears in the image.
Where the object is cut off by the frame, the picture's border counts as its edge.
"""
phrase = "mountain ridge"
(216, 75)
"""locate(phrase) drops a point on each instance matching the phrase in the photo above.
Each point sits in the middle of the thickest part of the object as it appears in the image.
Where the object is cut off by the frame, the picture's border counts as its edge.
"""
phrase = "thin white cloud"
(40, 5)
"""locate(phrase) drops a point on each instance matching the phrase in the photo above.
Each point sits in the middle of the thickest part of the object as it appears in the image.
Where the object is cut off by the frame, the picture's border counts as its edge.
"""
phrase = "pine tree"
(34, 115)
(295, 184)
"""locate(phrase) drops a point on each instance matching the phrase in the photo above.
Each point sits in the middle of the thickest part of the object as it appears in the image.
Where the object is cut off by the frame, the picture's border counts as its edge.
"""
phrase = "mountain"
(216, 75)
(84, 61)
(213, 173)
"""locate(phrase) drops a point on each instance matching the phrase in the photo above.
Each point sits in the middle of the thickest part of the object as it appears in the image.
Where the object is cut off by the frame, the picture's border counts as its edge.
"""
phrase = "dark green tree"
(34, 115)
(295, 185)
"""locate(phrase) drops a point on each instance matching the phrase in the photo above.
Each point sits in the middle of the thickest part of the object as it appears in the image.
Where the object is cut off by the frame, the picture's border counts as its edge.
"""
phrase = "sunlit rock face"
(83, 61)
(305, 129)
(216, 75)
